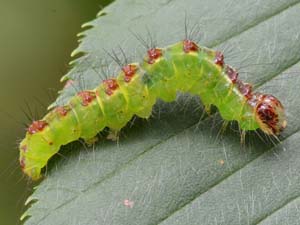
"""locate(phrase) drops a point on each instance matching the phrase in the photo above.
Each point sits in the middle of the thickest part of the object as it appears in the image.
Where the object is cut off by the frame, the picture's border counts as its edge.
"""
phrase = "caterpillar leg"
(207, 109)
(91, 141)
(224, 126)
(243, 137)
(222, 129)
(113, 135)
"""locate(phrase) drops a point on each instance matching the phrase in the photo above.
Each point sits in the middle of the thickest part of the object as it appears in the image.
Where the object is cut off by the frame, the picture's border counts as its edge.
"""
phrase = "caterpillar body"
(181, 67)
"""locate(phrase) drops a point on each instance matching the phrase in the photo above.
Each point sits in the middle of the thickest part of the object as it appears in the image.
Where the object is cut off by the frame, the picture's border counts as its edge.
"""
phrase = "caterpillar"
(181, 67)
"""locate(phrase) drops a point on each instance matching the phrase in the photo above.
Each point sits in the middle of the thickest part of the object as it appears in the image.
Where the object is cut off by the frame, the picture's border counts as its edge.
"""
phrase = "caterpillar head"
(269, 113)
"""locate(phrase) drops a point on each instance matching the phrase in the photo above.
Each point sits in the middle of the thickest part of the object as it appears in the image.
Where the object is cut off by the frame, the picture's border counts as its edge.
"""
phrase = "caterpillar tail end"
(29, 167)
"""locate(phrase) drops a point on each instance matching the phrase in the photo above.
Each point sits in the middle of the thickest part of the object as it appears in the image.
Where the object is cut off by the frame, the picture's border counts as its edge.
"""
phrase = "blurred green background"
(36, 39)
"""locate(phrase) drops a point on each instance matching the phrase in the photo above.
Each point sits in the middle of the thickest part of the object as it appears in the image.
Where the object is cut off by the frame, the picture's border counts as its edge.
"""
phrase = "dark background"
(36, 39)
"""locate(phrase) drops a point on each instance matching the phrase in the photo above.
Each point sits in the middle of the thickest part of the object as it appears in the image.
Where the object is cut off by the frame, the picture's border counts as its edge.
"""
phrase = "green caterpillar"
(184, 67)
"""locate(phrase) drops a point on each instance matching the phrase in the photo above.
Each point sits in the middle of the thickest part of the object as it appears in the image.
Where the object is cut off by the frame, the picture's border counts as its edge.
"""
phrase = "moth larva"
(184, 67)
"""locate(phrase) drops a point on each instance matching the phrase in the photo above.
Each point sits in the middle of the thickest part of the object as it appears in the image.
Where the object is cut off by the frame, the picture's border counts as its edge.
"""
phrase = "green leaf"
(179, 168)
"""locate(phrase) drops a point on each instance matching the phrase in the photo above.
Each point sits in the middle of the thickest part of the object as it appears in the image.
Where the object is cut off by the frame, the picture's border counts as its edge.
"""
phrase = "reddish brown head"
(269, 113)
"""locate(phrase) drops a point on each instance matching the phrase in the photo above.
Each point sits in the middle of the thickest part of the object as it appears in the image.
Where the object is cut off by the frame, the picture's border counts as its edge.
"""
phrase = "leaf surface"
(178, 168)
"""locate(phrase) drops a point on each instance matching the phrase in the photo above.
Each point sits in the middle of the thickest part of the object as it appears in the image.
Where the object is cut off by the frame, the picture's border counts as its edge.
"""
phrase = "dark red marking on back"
(61, 110)
(219, 59)
(110, 86)
(37, 126)
(190, 46)
(153, 54)
(129, 71)
(86, 97)
(22, 163)
(245, 89)
(232, 74)
(24, 148)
